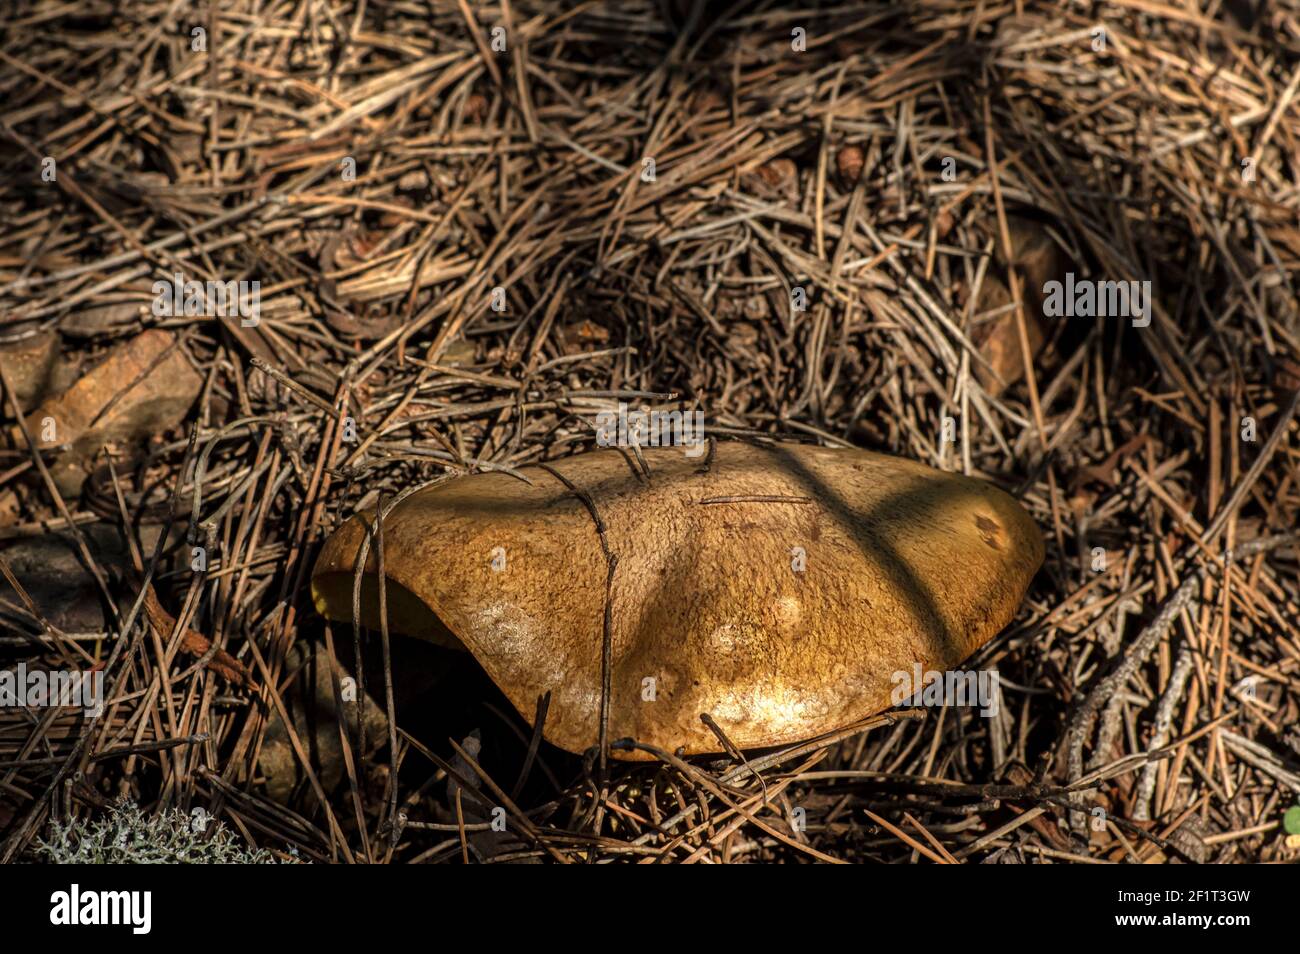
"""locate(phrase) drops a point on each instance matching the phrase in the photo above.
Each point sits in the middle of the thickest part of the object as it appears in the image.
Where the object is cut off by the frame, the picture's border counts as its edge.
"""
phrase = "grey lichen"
(125, 835)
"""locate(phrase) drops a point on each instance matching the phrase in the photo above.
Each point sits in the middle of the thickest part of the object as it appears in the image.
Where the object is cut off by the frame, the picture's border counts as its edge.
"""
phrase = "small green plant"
(127, 836)
(1291, 820)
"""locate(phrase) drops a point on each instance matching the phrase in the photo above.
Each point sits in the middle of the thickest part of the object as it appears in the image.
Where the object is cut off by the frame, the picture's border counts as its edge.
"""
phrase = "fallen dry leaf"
(144, 387)
(1038, 261)
(29, 363)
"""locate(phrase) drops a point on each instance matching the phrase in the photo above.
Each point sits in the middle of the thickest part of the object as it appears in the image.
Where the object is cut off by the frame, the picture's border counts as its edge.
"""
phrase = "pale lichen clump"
(126, 836)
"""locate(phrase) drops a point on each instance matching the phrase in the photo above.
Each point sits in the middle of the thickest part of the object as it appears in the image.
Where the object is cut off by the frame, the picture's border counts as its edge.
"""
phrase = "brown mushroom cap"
(902, 564)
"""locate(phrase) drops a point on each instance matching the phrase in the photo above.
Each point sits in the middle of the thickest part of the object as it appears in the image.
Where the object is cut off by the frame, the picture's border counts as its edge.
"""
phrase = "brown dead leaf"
(29, 364)
(143, 387)
(1037, 261)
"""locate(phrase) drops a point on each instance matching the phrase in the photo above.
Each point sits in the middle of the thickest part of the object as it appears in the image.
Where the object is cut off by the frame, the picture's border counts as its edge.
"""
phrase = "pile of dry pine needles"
(619, 206)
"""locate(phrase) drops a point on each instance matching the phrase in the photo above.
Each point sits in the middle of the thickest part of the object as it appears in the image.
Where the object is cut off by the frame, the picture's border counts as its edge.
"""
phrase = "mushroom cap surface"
(779, 590)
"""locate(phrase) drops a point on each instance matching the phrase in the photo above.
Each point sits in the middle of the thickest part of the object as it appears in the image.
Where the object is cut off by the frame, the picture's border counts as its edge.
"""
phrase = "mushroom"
(777, 588)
